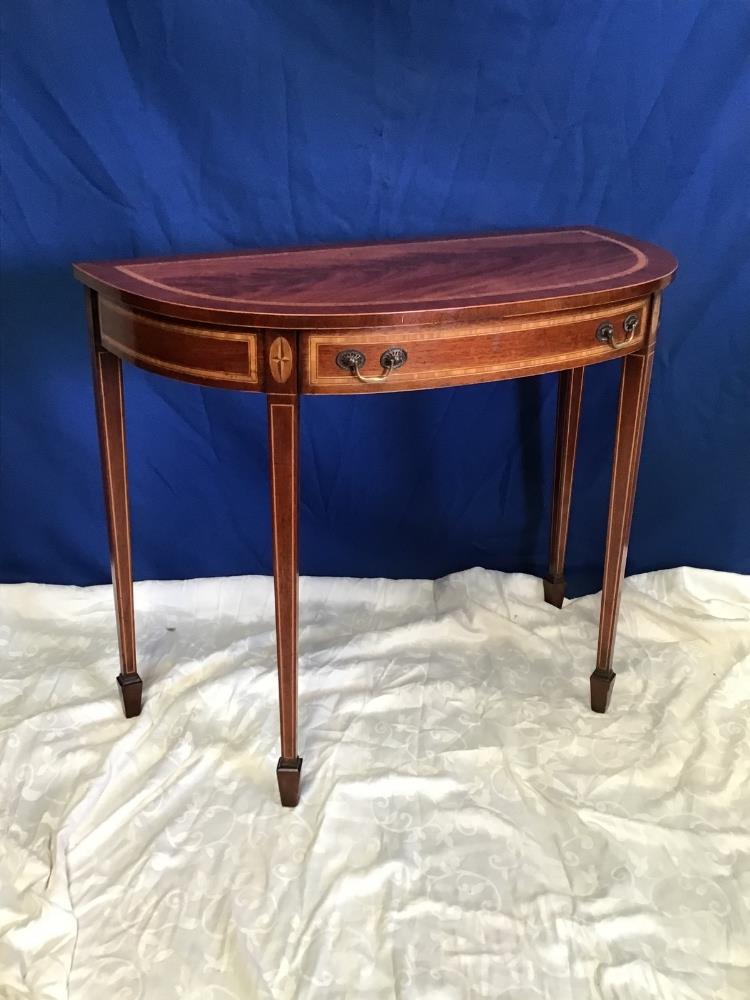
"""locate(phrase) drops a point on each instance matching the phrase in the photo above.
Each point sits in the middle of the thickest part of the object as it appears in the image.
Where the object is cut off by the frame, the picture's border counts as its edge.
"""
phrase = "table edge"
(321, 319)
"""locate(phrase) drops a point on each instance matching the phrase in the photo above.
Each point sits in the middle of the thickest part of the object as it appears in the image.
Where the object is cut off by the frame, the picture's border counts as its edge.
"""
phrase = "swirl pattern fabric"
(467, 827)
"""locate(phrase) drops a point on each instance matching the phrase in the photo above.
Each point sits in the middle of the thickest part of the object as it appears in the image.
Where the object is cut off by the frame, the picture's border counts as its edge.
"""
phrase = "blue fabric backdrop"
(152, 126)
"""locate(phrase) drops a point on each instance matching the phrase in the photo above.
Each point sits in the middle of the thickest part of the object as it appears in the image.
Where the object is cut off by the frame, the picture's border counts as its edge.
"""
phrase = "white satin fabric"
(467, 827)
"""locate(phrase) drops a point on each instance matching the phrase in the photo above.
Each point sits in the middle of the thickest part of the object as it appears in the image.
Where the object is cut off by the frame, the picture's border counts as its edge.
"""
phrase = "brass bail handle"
(352, 361)
(606, 332)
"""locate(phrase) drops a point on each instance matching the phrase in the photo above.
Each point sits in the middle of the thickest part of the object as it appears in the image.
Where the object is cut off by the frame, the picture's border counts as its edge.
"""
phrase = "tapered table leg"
(569, 395)
(283, 446)
(107, 378)
(631, 416)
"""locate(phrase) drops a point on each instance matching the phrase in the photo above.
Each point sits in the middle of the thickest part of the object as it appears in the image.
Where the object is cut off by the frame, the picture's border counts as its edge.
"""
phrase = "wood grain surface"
(397, 282)
(467, 353)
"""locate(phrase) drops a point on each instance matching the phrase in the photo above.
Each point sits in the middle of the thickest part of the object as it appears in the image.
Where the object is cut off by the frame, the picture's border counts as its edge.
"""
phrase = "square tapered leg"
(570, 393)
(631, 415)
(110, 415)
(283, 448)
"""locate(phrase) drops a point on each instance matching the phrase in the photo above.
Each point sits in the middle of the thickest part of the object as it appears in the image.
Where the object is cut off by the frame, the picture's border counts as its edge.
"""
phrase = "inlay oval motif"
(280, 359)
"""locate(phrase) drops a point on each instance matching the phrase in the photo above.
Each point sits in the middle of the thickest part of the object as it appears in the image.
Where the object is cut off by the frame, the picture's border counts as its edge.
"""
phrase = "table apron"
(435, 355)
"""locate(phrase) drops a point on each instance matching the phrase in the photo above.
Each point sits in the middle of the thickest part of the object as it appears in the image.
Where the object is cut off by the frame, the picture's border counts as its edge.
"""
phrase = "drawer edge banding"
(407, 379)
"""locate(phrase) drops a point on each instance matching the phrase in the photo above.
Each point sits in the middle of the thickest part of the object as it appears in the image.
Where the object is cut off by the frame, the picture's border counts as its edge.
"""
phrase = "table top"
(405, 281)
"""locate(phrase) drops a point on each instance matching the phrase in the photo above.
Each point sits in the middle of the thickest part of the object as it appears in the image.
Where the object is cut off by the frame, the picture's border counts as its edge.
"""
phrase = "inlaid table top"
(404, 281)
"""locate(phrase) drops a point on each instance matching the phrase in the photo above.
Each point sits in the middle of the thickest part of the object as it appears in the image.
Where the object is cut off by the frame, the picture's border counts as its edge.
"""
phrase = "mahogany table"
(379, 317)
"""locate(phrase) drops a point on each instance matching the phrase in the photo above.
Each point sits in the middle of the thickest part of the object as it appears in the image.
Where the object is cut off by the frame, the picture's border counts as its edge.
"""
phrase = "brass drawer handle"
(352, 361)
(605, 333)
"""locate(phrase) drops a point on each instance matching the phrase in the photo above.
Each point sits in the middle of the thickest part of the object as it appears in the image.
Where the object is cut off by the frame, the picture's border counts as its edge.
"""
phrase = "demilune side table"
(379, 317)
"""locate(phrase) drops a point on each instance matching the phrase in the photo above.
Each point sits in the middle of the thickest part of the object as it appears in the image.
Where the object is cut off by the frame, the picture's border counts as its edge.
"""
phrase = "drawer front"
(206, 355)
(457, 354)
